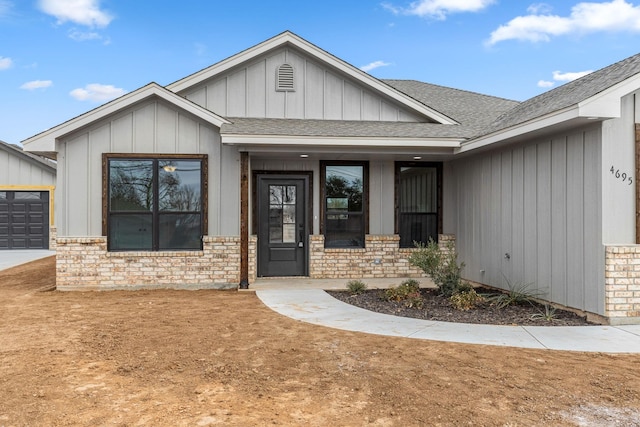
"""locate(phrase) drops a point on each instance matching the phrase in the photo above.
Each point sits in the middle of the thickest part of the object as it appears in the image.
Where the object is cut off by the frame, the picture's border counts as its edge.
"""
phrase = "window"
(156, 203)
(345, 204)
(418, 201)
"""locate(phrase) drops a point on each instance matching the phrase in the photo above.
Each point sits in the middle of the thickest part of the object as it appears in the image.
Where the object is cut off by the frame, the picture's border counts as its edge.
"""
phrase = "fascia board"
(321, 55)
(608, 102)
(45, 141)
(280, 140)
(521, 129)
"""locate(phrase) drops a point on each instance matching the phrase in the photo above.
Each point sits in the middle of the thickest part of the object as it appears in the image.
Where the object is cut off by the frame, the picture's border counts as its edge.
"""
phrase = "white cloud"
(82, 12)
(81, 36)
(567, 77)
(539, 8)
(5, 63)
(374, 65)
(97, 92)
(559, 76)
(36, 84)
(439, 9)
(586, 17)
(5, 7)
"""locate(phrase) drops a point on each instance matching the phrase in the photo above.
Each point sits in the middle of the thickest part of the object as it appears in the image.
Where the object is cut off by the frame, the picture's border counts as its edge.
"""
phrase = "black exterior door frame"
(282, 223)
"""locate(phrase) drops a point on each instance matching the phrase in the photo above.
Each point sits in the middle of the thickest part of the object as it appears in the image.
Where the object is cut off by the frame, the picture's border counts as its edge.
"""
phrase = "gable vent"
(284, 78)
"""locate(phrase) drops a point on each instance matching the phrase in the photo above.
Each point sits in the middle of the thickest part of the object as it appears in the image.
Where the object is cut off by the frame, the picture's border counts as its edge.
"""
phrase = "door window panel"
(282, 214)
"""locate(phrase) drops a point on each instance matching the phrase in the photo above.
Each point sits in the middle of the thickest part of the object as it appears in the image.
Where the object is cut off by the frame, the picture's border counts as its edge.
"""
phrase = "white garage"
(27, 184)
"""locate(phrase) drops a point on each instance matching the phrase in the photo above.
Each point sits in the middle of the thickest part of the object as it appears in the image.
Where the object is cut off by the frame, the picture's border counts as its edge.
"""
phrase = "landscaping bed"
(437, 307)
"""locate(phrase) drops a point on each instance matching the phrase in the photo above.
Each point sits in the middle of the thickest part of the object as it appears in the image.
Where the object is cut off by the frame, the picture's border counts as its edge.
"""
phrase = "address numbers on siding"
(622, 176)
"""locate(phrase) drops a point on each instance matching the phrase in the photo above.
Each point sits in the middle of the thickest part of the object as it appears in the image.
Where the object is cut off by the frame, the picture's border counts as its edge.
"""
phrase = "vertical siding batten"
(507, 218)
(530, 223)
(575, 227)
(543, 217)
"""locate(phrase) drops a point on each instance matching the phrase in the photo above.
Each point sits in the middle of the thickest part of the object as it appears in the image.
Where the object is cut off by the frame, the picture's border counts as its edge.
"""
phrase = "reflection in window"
(155, 204)
(344, 191)
(282, 213)
(417, 204)
(27, 195)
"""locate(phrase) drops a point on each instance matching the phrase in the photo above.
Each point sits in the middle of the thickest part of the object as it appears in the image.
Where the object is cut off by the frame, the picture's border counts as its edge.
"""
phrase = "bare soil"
(204, 358)
(437, 307)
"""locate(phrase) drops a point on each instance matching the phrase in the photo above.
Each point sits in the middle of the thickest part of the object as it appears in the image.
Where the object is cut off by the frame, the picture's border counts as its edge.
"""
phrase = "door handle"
(301, 241)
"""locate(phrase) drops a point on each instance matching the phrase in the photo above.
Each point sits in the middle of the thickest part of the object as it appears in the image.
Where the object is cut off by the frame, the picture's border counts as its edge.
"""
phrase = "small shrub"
(549, 314)
(356, 287)
(407, 292)
(466, 300)
(518, 293)
(441, 265)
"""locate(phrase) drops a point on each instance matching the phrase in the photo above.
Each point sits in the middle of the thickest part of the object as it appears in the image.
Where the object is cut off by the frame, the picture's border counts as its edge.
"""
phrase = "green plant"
(549, 314)
(441, 265)
(356, 287)
(518, 293)
(408, 292)
(466, 300)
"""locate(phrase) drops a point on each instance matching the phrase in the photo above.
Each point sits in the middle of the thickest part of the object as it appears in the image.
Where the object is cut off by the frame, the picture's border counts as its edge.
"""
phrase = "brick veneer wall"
(622, 284)
(85, 264)
(381, 257)
(53, 235)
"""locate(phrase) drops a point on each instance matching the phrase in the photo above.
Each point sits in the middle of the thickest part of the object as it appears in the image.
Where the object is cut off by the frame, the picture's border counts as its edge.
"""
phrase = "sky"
(61, 58)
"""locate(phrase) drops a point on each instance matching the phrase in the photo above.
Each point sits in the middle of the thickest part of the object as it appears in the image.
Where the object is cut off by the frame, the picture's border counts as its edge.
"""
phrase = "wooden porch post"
(244, 220)
(637, 183)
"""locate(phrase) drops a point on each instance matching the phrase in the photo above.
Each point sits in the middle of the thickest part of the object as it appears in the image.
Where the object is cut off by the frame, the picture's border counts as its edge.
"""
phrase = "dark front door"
(282, 226)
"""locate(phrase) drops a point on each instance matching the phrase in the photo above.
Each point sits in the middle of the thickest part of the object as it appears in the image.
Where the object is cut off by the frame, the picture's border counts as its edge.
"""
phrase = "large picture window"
(155, 204)
(418, 201)
(344, 187)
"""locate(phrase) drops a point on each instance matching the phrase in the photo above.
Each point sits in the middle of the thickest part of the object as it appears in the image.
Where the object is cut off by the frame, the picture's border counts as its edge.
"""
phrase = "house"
(27, 184)
(284, 160)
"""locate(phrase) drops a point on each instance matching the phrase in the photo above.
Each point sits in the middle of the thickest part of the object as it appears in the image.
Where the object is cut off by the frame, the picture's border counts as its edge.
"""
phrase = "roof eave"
(28, 157)
(533, 125)
(607, 104)
(45, 141)
(340, 141)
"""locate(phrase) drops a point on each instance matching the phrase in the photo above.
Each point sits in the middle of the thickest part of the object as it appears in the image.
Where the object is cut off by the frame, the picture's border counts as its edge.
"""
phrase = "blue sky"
(61, 58)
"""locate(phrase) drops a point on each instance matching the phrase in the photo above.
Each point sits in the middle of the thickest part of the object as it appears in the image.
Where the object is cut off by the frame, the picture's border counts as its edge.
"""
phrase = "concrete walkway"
(317, 307)
(12, 258)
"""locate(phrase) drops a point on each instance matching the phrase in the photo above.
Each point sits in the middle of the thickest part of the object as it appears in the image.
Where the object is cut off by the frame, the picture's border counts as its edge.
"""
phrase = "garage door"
(24, 220)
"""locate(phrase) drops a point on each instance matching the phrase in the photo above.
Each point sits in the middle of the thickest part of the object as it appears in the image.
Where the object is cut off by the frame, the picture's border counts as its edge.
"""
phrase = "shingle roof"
(341, 128)
(567, 95)
(472, 110)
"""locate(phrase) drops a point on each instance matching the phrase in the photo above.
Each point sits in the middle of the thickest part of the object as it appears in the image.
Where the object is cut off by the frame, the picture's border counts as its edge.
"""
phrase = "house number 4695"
(621, 175)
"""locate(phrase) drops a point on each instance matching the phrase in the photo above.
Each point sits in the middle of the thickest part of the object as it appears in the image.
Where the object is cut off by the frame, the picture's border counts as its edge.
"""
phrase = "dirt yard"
(203, 358)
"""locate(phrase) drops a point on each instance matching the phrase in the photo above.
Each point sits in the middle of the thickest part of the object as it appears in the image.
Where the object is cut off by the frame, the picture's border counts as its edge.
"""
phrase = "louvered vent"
(285, 78)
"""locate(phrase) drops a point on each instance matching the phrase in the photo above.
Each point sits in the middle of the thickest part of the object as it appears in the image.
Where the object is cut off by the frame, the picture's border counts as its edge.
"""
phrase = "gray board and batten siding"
(152, 126)
(320, 93)
(532, 214)
(24, 169)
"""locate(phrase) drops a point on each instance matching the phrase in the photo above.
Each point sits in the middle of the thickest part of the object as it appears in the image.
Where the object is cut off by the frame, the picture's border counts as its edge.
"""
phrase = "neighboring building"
(284, 160)
(27, 184)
